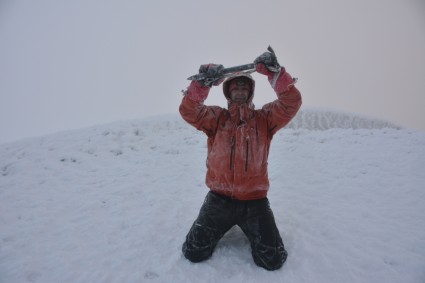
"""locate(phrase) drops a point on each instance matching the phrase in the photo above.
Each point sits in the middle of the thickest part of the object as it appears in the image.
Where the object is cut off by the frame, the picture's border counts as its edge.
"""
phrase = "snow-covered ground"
(113, 203)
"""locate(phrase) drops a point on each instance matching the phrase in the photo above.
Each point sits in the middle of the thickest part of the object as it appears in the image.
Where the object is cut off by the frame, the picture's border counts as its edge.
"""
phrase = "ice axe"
(227, 72)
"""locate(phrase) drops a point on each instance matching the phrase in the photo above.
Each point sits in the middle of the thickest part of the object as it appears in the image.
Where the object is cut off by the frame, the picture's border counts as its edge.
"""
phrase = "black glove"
(269, 60)
(212, 73)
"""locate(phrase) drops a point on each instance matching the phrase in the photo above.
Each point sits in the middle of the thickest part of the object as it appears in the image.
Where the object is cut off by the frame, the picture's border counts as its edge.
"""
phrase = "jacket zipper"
(231, 153)
(247, 151)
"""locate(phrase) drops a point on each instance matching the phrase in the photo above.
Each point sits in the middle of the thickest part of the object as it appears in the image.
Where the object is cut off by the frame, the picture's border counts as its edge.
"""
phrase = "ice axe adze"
(226, 72)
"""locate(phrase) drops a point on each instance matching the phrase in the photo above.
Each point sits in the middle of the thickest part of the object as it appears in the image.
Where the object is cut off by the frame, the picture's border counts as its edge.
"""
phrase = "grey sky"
(72, 64)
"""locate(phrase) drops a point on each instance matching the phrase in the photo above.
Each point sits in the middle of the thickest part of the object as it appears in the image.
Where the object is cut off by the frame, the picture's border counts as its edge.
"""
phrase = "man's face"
(239, 94)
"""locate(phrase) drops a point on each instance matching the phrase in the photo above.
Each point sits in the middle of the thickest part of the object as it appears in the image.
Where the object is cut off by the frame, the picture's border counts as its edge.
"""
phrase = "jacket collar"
(240, 113)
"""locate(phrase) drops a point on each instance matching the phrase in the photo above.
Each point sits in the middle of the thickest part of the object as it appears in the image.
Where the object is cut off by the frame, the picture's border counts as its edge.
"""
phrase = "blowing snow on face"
(113, 203)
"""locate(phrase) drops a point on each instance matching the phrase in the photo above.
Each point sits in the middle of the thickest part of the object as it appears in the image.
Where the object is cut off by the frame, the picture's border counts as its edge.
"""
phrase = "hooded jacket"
(239, 137)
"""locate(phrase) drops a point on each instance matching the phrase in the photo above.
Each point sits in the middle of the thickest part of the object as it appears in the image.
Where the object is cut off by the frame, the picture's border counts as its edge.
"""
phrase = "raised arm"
(192, 108)
(281, 111)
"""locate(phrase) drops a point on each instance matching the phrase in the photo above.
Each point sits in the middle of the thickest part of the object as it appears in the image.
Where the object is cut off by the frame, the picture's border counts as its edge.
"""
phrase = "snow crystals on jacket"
(239, 137)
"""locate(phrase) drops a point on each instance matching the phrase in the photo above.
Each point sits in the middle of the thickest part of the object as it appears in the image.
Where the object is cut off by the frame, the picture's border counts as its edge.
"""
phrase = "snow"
(113, 203)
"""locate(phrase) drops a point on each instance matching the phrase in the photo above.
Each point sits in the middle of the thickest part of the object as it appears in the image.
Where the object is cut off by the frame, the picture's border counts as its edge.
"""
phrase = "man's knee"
(200, 243)
(269, 257)
(196, 253)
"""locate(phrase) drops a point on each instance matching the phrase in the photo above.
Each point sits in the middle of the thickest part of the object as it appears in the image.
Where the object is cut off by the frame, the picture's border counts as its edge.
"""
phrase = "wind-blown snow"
(113, 203)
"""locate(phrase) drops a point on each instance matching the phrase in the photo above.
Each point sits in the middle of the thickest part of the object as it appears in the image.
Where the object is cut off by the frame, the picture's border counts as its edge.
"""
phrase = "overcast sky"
(72, 64)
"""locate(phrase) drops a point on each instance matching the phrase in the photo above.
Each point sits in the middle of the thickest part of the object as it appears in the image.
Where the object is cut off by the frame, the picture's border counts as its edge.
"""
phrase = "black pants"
(219, 213)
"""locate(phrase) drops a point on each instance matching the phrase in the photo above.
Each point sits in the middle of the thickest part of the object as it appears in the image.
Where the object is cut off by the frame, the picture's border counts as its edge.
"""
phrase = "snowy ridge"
(113, 203)
(319, 119)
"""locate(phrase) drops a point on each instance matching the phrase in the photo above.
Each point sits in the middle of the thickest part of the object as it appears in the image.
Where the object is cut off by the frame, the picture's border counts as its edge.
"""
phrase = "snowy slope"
(113, 203)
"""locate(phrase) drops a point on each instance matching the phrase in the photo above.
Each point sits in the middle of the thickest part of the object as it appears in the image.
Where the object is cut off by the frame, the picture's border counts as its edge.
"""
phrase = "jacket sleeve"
(193, 111)
(281, 111)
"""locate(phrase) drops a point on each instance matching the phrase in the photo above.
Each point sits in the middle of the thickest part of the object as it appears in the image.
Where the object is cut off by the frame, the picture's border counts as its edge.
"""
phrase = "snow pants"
(219, 213)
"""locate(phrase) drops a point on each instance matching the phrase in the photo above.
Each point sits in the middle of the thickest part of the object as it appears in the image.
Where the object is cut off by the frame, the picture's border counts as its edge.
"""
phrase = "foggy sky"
(72, 64)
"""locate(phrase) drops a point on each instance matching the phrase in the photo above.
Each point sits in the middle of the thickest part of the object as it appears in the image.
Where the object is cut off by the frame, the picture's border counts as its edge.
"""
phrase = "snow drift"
(113, 203)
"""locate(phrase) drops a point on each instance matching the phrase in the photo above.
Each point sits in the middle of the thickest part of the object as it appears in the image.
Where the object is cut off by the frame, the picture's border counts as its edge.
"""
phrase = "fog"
(73, 64)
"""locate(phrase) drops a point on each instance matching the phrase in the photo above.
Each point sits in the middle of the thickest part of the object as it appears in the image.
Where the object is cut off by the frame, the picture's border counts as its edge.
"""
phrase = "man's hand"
(267, 62)
(198, 90)
(212, 73)
(279, 79)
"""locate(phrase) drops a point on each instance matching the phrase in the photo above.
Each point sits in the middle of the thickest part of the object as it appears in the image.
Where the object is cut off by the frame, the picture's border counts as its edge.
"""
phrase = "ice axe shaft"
(225, 72)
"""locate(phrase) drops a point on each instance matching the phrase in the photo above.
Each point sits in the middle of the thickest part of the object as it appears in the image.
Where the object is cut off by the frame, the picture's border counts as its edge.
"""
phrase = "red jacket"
(239, 137)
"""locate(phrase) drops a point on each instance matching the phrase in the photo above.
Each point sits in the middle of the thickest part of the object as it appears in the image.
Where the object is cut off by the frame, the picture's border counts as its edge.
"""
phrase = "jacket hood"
(226, 86)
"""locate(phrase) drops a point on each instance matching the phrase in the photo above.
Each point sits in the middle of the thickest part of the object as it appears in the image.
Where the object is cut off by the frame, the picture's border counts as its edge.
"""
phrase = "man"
(238, 146)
